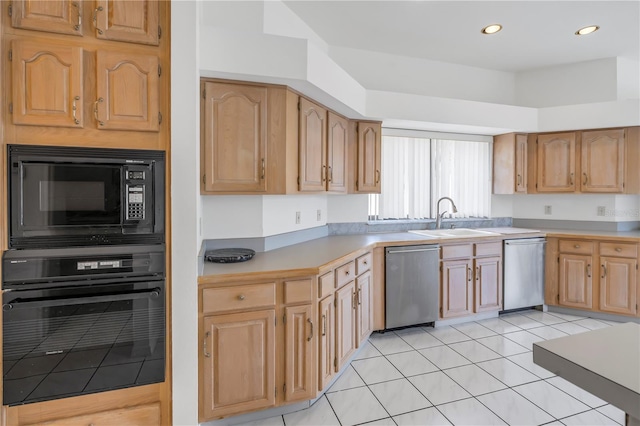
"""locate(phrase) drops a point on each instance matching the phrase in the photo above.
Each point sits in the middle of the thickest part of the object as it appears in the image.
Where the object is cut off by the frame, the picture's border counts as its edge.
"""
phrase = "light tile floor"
(477, 373)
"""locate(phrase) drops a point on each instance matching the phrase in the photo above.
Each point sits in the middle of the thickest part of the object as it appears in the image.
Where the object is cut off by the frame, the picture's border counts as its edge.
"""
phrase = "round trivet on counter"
(229, 255)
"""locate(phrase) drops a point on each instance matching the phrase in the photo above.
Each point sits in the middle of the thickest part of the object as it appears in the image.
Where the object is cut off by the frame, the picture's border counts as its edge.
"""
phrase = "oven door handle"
(27, 303)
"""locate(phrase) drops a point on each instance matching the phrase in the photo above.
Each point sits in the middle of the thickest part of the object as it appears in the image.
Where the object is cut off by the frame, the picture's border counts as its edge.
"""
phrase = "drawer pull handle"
(95, 111)
(311, 334)
(519, 180)
(576, 246)
(241, 297)
(571, 179)
(262, 170)
(324, 173)
(589, 270)
(604, 271)
(586, 179)
(359, 296)
(469, 274)
(324, 325)
(95, 18)
(74, 109)
(618, 249)
(477, 273)
(204, 345)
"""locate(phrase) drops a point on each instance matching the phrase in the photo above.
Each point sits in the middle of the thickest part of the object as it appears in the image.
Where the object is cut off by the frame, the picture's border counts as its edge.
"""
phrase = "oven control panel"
(135, 193)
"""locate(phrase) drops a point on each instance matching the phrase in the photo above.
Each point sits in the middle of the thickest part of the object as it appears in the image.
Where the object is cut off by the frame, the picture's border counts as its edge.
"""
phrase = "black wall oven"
(82, 320)
(68, 196)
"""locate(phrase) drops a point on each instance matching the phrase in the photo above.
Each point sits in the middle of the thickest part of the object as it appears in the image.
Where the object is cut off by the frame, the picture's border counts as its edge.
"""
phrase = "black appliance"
(82, 320)
(69, 196)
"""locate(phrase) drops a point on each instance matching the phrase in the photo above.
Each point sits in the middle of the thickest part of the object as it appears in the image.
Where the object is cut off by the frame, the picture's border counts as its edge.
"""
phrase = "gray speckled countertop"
(308, 257)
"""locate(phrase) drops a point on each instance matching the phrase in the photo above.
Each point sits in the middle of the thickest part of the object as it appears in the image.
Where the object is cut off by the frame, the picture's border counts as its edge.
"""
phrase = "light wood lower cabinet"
(593, 275)
(141, 415)
(345, 323)
(575, 283)
(471, 278)
(299, 353)
(326, 342)
(239, 362)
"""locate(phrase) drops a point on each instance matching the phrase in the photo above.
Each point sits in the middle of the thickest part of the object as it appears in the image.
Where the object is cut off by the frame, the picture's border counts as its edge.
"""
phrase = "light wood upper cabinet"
(239, 363)
(313, 142)
(603, 161)
(556, 162)
(127, 91)
(510, 164)
(133, 21)
(234, 138)
(47, 84)
(337, 148)
(369, 157)
(56, 16)
(299, 350)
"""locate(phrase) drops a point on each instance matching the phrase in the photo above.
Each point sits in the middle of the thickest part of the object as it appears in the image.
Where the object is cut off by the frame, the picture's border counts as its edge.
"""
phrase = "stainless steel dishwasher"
(523, 284)
(412, 282)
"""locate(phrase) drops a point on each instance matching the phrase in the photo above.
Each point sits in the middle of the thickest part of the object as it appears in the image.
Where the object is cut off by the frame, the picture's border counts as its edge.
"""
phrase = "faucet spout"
(439, 215)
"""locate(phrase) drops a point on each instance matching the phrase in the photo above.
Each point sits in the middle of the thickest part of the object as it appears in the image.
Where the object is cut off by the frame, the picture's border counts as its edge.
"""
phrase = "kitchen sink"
(454, 233)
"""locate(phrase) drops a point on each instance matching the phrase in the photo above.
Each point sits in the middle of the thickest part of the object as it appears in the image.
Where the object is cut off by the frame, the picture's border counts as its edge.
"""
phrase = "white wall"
(185, 210)
(618, 208)
(580, 83)
(348, 208)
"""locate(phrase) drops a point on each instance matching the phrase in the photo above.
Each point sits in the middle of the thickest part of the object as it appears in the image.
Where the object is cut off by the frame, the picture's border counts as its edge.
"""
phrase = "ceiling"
(536, 34)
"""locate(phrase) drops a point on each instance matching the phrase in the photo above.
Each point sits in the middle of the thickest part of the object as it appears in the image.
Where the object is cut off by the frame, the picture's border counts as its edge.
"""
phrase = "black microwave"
(68, 196)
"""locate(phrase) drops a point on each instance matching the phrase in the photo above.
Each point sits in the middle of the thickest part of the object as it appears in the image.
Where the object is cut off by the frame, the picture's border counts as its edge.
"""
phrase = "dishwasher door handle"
(413, 250)
(521, 243)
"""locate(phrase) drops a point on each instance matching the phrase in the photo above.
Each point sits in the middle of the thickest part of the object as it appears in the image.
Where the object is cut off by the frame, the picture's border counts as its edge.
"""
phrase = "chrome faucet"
(439, 215)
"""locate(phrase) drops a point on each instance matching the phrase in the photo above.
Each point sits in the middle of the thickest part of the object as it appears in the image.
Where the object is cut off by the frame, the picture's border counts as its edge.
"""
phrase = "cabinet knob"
(365, 262)
(618, 249)
(241, 297)
(576, 246)
(346, 272)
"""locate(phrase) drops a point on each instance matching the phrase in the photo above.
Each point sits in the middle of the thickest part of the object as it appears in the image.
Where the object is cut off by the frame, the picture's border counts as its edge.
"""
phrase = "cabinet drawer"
(240, 297)
(619, 250)
(325, 285)
(298, 291)
(576, 246)
(489, 249)
(457, 251)
(363, 263)
(345, 273)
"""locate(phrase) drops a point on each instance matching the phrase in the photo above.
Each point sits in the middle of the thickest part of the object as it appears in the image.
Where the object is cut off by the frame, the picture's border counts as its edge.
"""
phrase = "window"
(419, 168)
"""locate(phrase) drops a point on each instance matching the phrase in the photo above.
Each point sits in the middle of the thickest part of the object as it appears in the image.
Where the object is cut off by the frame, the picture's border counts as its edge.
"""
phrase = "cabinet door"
(313, 139)
(345, 324)
(364, 285)
(127, 88)
(299, 365)
(337, 143)
(56, 16)
(234, 138)
(47, 84)
(618, 285)
(326, 342)
(134, 21)
(521, 164)
(603, 161)
(556, 162)
(149, 414)
(488, 291)
(238, 363)
(575, 282)
(369, 159)
(457, 288)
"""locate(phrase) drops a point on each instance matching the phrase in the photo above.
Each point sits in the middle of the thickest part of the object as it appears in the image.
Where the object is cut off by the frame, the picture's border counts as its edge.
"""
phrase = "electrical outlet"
(319, 215)
(547, 210)
(297, 218)
(602, 211)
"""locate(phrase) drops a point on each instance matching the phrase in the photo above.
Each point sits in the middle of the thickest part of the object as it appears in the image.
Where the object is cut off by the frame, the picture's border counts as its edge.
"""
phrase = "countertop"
(309, 257)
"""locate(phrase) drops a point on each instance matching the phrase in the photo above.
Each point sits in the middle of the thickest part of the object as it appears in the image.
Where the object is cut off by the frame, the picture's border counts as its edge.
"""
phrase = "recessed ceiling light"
(587, 30)
(491, 29)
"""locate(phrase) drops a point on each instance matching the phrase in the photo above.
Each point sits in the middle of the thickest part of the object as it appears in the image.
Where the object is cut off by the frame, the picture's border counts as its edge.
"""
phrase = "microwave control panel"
(135, 195)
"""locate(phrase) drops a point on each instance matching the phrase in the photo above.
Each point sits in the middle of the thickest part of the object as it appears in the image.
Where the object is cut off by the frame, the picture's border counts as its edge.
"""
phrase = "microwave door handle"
(19, 304)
